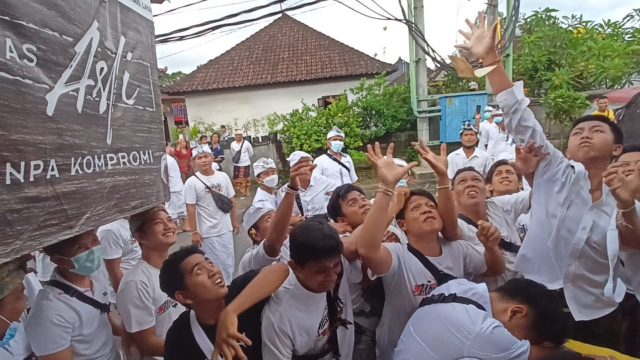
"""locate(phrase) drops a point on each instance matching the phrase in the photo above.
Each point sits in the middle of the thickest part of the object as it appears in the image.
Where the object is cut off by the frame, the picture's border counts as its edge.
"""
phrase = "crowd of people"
(523, 253)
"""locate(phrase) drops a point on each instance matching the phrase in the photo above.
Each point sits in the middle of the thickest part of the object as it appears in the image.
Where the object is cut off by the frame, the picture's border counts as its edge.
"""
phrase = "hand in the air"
(488, 234)
(481, 42)
(528, 157)
(625, 189)
(438, 163)
(388, 172)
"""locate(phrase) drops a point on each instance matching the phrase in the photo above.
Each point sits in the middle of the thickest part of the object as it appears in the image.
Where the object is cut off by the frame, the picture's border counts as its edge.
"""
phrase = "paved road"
(242, 241)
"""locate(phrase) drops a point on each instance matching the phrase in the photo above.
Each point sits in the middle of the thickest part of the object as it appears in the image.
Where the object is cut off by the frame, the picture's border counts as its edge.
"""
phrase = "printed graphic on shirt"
(165, 306)
(324, 329)
(216, 187)
(424, 289)
(522, 231)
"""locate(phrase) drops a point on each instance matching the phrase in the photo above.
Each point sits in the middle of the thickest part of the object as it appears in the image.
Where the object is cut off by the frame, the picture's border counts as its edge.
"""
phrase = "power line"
(180, 7)
(212, 7)
(165, 39)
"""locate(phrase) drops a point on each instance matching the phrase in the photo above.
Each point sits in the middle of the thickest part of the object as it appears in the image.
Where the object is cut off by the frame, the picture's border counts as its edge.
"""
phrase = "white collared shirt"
(331, 169)
(314, 198)
(566, 246)
(486, 129)
(245, 154)
(265, 200)
(480, 161)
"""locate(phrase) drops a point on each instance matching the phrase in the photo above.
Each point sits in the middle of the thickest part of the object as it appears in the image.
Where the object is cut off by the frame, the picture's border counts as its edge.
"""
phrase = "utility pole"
(418, 72)
(492, 17)
(508, 55)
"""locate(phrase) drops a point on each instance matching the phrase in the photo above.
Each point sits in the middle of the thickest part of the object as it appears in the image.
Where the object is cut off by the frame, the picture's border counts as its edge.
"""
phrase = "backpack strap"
(503, 244)
(448, 299)
(299, 204)
(440, 276)
(339, 162)
(79, 295)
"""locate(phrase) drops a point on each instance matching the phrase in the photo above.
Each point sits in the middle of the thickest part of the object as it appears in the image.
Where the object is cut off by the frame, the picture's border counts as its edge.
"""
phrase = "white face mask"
(271, 181)
(15, 340)
(337, 146)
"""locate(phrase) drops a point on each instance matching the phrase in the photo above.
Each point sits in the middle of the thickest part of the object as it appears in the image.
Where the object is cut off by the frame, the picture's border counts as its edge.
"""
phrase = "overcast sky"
(386, 40)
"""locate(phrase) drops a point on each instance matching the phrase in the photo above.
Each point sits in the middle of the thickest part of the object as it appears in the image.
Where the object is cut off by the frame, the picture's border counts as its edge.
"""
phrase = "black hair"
(203, 137)
(550, 323)
(463, 170)
(61, 248)
(172, 278)
(418, 192)
(496, 165)
(631, 148)
(334, 207)
(313, 240)
(601, 97)
(618, 138)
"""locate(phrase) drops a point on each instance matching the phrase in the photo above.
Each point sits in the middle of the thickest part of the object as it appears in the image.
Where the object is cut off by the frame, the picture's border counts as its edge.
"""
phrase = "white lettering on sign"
(105, 86)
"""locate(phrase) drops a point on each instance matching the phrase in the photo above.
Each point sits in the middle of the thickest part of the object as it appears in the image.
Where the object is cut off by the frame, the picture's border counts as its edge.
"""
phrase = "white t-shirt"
(143, 305)
(175, 178)
(480, 161)
(503, 212)
(264, 199)
(117, 242)
(331, 169)
(296, 321)
(407, 282)
(245, 155)
(500, 142)
(486, 130)
(211, 220)
(58, 322)
(315, 198)
(458, 331)
(255, 258)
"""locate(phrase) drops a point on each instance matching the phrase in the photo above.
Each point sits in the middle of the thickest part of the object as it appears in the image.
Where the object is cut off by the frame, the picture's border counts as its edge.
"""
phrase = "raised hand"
(388, 172)
(528, 157)
(488, 234)
(228, 339)
(625, 189)
(481, 42)
(438, 163)
(300, 169)
(399, 198)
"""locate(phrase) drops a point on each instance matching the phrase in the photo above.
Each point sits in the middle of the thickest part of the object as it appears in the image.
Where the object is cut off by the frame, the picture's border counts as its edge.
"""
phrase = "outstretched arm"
(446, 204)
(625, 189)
(369, 239)
(279, 229)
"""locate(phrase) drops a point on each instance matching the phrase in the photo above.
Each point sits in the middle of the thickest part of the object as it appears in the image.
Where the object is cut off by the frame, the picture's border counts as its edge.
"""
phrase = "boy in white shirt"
(146, 311)
(335, 164)
(487, 127)
(518, 321)
(566, 246)
(266, 175)
(205, 193)
(311, 314)
(412, 271)
(173, 178)
(120, 250)
(268, 229)
(63, 327)
(469, 154)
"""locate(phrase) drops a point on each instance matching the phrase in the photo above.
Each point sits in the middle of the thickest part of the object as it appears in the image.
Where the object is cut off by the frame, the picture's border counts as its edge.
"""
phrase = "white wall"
(223, 107)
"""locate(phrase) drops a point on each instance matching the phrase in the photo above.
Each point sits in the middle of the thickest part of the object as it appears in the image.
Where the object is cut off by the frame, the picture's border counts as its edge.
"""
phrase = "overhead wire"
(179, 7)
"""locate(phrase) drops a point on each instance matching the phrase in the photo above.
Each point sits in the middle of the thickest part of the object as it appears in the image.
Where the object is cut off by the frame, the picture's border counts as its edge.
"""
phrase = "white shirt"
(117, 242)
(407, 282)
(296, 321)
(255, 258)
(500, 145)
(457, 331)
(264, 199)
(486, 129)
(58, 322)
(174, 176)
(566, 245)
(18, 347)
(143, 305)
(245, 155)
(314, 198)
(480, 161)
(503, 212)
(331, 169)
(211, 220)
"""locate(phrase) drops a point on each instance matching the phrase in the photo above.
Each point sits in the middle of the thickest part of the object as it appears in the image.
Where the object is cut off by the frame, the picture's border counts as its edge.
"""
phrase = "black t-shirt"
(180, 344)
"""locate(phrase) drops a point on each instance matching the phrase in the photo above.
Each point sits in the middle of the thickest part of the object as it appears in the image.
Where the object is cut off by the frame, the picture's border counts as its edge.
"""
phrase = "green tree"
(168, 79)
(560, 57)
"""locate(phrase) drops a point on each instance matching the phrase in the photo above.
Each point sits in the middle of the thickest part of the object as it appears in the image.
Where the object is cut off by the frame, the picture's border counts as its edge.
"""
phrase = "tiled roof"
(284, 51)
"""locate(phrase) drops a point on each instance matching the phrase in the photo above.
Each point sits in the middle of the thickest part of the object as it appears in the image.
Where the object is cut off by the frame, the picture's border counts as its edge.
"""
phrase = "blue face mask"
(337, 146)
(88, 262)
(498, 120)
(402, 183)
(486, 116)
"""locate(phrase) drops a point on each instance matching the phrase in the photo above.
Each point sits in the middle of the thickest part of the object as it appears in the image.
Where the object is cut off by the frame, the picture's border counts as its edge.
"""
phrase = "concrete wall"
(226, 107)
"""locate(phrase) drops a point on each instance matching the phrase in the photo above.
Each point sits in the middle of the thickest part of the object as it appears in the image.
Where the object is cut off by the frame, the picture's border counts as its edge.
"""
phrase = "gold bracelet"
(382, 187)
(440, 187)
